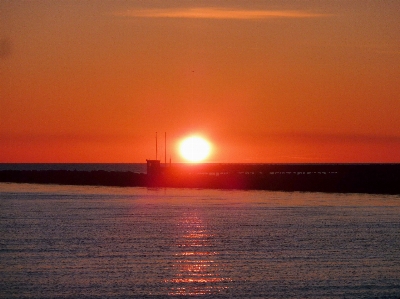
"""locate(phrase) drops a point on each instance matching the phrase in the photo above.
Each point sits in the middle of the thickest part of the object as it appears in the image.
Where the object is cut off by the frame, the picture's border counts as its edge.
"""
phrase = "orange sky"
(269, 81)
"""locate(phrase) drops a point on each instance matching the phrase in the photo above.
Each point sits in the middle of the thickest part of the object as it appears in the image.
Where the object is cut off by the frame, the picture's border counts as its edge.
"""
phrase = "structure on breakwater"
(343, 178)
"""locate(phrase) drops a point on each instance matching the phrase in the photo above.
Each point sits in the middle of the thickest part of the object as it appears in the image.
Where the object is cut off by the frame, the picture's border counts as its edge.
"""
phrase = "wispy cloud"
(218, 13)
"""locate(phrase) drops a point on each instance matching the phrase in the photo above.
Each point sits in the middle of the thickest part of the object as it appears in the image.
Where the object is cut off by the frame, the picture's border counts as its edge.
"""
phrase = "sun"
(195, 148)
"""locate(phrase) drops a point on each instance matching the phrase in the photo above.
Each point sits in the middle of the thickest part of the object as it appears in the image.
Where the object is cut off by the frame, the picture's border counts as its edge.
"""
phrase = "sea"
(61, 241)
(122, 167)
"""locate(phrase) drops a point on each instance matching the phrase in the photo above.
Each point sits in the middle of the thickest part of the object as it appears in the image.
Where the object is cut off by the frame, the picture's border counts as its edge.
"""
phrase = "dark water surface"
(99, 242)
(134, 167)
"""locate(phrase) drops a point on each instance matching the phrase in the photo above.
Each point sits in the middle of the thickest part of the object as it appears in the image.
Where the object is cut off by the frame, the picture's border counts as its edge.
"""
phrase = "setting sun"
(195, 149)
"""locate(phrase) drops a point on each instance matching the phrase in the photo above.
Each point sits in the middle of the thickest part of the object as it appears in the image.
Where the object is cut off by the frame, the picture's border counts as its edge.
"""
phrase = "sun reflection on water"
(196, 270)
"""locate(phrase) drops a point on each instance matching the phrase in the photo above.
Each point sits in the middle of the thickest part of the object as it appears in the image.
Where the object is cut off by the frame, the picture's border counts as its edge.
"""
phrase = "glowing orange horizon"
(285, 83)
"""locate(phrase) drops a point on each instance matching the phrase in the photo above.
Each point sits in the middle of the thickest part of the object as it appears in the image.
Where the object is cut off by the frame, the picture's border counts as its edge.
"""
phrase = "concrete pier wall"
(342, 178)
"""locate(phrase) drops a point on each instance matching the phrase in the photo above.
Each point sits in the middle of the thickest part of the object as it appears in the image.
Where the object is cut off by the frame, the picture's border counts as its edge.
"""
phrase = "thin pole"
(156, 146)
(165, 149)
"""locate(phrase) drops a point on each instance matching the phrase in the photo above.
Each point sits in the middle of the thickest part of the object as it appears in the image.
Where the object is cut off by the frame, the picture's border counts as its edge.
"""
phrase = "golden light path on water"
(196, 271)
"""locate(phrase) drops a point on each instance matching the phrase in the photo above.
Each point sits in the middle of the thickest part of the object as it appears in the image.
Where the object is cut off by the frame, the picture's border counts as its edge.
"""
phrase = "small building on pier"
(153, 167)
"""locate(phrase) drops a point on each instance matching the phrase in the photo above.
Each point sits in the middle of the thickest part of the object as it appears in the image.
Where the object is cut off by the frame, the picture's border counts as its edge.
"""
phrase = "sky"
(264, 81)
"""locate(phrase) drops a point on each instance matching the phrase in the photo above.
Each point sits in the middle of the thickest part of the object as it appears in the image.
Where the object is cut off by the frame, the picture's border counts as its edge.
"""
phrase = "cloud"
(218, 13)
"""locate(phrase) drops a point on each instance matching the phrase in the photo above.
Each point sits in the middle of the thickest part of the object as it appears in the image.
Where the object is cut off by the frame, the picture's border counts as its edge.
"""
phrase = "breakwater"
(342, 178)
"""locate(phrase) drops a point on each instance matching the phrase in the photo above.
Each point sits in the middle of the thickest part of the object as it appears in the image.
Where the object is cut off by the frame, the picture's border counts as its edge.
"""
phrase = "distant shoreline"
(331, 178)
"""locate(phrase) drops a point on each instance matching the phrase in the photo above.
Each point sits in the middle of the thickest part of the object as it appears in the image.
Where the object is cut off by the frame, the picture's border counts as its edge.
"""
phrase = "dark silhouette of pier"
(340, 178)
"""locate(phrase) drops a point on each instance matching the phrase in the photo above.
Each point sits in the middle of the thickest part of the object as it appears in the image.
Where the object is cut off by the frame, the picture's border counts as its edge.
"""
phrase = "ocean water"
(102, 242)
(134, 167)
